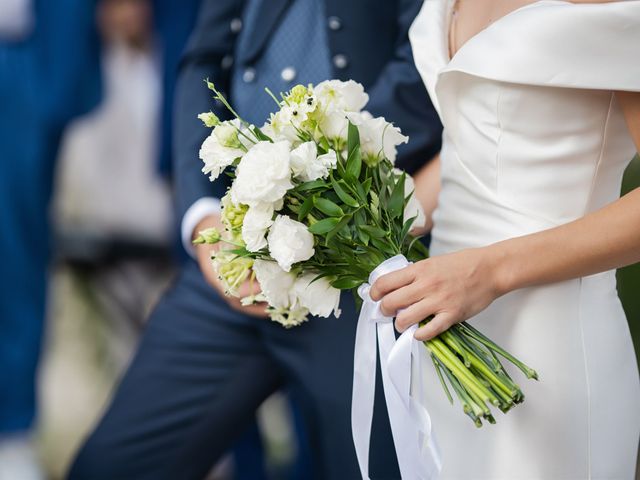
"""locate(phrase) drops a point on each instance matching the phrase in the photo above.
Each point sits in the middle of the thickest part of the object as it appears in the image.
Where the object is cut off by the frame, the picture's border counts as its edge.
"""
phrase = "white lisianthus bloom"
(377, 136)
(263, 175)
(319, 297)
(302, 157)
(289, 242)
(255, 224)
(216, 156)
(282, 128)
(334, 124)
(289, 317)
(275, 283)
(348, 96)
(307, 166)
(413, 207)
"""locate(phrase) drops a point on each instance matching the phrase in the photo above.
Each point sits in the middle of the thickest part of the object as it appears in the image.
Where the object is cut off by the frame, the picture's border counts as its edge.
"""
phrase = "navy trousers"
(200, 373)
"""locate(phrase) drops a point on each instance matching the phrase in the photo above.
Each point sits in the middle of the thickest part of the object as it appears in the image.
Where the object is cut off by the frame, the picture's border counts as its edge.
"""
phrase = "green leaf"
(327, 207)
(381, 245)
(354, 163)
(344, 196)
(354, 158)
(346, 283)
(366, 185)
(353, 138)
(396, 202)
(364, 236)
(306, 207)
(311, 185)
(341, 224)
(374, 232)
(261, 135)
(406, 227)
(324, 226)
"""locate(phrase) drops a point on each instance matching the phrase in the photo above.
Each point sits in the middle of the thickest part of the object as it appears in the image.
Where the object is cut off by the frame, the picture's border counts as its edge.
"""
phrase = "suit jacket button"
(335, 23)
(235, 25)
(249, 75)
(288, 74)
(340, 61)
(227, 62)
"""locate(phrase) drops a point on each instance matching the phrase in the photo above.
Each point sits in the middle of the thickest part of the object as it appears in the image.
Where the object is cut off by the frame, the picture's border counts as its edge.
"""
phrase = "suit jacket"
(370, 38)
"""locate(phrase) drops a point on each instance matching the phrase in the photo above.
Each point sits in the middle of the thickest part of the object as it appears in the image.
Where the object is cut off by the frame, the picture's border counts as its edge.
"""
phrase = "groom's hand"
(203, 256)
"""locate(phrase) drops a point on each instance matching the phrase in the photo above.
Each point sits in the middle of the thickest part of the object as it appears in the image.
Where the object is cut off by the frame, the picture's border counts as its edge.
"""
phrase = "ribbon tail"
(364, 382)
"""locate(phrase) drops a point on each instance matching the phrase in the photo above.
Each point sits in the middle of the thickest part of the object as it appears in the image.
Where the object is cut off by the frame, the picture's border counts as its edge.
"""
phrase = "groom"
(204, 366)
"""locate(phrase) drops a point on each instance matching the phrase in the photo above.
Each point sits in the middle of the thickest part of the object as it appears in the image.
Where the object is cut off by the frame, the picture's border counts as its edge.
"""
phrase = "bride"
(541, 107)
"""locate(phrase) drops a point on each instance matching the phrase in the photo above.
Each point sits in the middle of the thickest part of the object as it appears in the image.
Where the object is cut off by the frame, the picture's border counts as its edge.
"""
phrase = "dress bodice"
(534, 136)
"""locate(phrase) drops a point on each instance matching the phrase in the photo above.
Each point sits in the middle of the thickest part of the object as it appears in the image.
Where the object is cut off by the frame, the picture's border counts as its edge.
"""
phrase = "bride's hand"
(451, 287)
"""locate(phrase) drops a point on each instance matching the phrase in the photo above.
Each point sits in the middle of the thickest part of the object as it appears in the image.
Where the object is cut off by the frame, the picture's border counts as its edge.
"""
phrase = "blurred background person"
(113, 231)
(112, 209)
(113, 242)
(48, 75)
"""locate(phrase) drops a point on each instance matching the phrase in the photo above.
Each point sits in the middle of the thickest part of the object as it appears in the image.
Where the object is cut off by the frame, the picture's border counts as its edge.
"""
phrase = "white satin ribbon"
(402, 364)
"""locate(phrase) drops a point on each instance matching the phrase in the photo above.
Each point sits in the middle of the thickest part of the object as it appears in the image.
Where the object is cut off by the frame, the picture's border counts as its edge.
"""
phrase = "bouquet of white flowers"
(315, 206)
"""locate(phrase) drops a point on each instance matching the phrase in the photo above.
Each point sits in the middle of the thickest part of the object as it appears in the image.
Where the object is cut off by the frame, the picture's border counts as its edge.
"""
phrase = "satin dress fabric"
(534, 138)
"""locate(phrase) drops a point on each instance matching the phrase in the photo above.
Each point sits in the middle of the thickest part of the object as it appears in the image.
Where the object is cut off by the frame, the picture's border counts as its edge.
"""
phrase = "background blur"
(114, 247)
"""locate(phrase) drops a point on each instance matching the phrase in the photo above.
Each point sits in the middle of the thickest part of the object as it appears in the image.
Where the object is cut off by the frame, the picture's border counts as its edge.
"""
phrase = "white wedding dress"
(533, 139)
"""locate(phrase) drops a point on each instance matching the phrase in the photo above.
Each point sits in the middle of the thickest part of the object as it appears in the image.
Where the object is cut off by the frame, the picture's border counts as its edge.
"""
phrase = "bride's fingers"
(391, 281)
(401, 298)
(415, 313)
(437, 325)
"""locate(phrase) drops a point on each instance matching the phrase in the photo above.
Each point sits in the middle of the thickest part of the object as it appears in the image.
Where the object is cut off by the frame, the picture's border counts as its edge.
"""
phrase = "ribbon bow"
(402, 364)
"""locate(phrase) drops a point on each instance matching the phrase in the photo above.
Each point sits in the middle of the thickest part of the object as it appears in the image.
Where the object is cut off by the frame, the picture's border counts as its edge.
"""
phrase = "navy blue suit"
(202, 369)
(42, 86)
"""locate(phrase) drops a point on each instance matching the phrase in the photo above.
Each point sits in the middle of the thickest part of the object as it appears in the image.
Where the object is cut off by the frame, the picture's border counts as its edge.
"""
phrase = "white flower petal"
(289, 242)
(319, 297)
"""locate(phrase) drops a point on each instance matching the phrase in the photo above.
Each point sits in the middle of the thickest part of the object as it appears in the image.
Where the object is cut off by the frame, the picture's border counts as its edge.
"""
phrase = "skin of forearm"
(427, 189)
(606, 239)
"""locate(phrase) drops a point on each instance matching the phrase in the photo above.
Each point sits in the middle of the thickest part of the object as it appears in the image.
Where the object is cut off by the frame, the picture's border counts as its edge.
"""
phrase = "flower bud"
(227, 135)
(209, 236)
(210, 119)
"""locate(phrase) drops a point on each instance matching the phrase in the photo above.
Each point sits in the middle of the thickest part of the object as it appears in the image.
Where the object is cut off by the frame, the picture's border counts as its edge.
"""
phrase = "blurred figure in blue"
(48, 75)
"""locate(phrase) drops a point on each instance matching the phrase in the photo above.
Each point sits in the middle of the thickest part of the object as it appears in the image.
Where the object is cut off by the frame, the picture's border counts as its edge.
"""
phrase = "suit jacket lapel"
(269, 13)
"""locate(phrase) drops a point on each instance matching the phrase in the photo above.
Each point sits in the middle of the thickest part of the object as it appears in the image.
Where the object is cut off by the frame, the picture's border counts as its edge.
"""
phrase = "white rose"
(413, 207)
(377, 136)
(289, 242)
(275, 283)
(338, 95)
(308, 166)
(217, 157)
(319, 297)
(255, 224)
(263, 175)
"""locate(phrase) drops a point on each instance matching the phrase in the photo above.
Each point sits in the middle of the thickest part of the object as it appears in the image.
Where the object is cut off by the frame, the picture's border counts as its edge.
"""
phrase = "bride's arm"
(457, 286)
(427, 188)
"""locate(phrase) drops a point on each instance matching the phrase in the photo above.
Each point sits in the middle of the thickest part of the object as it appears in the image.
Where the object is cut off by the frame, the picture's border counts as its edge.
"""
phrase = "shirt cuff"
(16, 20)
(196, 212)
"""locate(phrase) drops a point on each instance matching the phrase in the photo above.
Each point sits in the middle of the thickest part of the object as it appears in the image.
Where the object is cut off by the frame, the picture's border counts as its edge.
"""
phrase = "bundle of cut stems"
(469, 362)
